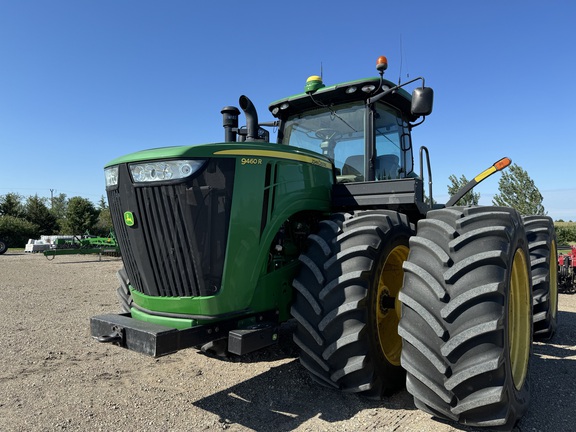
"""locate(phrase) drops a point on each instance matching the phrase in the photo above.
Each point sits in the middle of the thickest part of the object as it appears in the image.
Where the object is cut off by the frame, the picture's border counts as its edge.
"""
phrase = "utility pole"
(52, 198)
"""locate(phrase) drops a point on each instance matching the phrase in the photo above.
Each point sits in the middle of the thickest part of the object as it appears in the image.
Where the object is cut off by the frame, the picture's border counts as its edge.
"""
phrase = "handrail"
(423, 148)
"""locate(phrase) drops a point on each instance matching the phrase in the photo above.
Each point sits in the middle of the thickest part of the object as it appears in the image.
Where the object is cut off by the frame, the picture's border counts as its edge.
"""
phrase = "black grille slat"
(177, 279)
(157, 222)
(147, 206)
(171, 231)
(183, 260)
(170, 251)
(171, 278)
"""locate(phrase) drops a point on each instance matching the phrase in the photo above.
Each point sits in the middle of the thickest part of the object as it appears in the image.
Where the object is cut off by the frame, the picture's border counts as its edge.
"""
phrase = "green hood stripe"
(276, 154)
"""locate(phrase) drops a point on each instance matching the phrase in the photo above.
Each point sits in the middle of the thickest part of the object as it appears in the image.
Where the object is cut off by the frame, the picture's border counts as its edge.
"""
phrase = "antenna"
(401, 59)
(321, 72)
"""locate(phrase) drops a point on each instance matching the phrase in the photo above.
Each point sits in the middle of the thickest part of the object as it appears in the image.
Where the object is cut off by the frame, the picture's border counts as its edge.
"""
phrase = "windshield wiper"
(334, 113)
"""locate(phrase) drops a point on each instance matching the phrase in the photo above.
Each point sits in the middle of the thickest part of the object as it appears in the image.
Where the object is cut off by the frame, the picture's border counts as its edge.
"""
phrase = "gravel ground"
(53, 376)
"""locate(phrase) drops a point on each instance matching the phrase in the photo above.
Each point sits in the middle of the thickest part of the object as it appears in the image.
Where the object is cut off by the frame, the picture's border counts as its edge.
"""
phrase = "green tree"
(11, 205)
(58, 205)
(81, 216)
(104, 224)
(102, 204)
(565, 234)
(35, 211)
(517, 190)
(471, 198)
(16, 231)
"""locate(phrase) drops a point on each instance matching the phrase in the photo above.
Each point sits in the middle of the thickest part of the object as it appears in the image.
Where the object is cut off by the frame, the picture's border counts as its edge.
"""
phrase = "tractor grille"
(177, 245)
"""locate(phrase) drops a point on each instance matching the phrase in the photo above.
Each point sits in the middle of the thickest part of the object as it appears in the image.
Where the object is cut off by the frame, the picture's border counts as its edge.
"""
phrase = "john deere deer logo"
(128, 218)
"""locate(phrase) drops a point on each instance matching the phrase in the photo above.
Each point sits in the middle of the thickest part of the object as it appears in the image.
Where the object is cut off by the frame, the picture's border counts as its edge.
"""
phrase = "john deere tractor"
(331, 227)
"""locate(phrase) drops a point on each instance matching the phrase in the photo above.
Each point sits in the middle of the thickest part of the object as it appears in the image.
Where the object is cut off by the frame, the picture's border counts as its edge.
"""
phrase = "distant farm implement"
(566, 270)
(84, 245)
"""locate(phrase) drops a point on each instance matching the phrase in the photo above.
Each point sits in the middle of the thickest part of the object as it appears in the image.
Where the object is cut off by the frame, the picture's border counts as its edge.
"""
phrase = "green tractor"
(330, 226)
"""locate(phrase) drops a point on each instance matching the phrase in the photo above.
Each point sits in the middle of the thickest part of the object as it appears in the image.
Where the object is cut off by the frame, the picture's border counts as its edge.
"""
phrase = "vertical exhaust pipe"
(251, 118)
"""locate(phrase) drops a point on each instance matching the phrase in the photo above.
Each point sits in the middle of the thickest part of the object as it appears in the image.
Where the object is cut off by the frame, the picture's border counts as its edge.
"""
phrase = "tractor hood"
(245, 149)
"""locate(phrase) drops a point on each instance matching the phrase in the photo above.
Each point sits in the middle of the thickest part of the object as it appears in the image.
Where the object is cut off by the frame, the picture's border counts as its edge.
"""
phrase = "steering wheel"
(326, 134)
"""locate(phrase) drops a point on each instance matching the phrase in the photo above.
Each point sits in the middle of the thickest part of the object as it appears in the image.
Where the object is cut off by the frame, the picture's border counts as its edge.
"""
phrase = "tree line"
(517, 190)
(29, 218)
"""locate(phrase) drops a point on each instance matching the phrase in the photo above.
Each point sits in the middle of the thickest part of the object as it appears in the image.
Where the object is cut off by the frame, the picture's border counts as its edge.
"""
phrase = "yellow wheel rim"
(553, 280)
(519, 319)
(389, 285)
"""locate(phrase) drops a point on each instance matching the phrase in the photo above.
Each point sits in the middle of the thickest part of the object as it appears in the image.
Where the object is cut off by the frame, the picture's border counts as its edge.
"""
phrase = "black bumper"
(157, 340)
(146, 338)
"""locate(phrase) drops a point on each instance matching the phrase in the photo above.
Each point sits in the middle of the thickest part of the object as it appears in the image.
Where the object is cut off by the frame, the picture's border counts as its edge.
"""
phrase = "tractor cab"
(339, 133)
(364, 128)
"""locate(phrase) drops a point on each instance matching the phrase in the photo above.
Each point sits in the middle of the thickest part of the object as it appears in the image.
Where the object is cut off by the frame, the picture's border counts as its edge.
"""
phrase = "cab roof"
(339, 94)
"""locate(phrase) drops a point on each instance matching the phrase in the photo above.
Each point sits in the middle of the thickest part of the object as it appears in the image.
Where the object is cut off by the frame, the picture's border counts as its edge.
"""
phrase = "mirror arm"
(376, 98)
(413, 125)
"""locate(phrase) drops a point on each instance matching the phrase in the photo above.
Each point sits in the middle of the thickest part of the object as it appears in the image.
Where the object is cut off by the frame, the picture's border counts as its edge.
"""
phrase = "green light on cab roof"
(313, 83)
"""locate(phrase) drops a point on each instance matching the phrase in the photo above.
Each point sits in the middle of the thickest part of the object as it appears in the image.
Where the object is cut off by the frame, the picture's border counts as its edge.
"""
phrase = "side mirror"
(422, 100)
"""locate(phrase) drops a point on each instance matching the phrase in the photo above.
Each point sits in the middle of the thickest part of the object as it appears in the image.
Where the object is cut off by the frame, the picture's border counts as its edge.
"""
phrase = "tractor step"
(244, 341)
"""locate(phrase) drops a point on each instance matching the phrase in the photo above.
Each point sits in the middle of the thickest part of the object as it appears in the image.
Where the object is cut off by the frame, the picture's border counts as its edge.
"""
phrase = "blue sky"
(82, 82)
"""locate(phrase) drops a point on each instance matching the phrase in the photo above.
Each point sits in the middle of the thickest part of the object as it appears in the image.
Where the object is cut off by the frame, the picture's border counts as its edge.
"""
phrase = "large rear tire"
(544, 266)
(3, 247)
(467, 316)
(346, 302)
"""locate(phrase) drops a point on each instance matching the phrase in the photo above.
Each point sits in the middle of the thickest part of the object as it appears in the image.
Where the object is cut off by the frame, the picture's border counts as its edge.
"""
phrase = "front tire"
(346, 302)
(123, 291)
(467, 316)
(3, 247)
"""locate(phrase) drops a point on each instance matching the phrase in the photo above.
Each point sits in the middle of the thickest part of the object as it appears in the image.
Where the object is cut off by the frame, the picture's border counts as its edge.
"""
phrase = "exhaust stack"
(251, 118)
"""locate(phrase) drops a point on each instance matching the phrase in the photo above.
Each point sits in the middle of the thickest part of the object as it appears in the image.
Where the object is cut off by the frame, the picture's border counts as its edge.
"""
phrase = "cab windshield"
(339, 133)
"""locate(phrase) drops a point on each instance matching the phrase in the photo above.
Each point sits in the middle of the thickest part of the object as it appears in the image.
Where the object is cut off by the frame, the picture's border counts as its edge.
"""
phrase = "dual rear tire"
(463, 289)
(467, 316)
(544, 268)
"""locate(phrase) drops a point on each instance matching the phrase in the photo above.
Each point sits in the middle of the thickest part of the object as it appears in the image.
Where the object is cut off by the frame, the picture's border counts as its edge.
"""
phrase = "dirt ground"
(54, 376)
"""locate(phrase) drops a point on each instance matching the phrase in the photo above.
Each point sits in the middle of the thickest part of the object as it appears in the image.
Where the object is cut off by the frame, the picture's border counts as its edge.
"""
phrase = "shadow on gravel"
(553, 374)
(284, 397)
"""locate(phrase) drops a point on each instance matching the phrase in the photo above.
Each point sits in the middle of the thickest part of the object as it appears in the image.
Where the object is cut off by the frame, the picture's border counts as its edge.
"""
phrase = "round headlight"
(164, 170)
(186, 170)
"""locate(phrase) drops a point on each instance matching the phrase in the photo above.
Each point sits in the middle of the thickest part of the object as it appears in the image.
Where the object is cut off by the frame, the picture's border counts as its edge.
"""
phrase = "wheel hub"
(519, 319)
(389, 285)
(387, 302)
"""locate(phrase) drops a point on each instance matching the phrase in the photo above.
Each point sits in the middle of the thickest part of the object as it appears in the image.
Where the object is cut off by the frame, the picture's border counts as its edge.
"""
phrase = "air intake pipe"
(230, 122)
(251, 118)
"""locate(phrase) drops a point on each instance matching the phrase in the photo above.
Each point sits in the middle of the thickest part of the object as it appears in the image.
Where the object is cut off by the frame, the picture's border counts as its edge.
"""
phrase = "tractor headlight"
(164, 170)
(111, 175)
